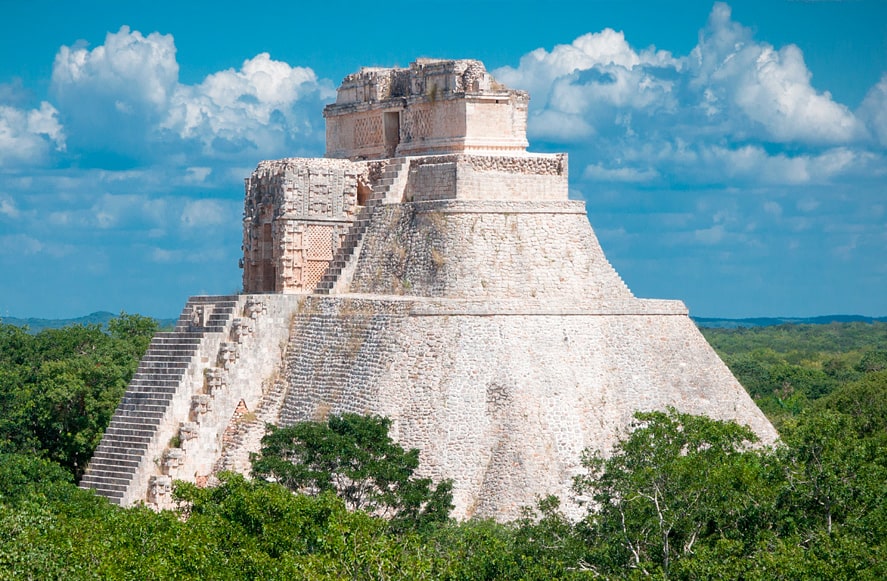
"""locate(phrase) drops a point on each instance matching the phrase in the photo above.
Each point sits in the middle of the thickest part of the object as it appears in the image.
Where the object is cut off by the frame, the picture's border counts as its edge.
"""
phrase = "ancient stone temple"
(431, 270)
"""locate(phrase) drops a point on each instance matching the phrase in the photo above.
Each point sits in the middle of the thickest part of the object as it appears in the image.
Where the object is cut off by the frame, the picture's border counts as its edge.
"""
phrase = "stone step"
(157, 376)
(146, 403)
(143, 394)
(208, 329)
(173, 337)
(115, 484)
(212, 307)
(140, 431)
(132, 422)
(138, 407)
(165, 360)
(125, 448)
(113, 476)
(107, 479)
(146, 389)
(147, 382)
(122, 447)
(114, 496)
(220, 314)
(110, 490)
(112, 456)
(116, 468)
(115, 436)
(97, 464)
(138, 423)
(175, 345)
(140, 396)
(176, 368)
(169, 355)
(165, 367)
(135, 406)
(173, 372)
(212, 299)
(138, 415)
(160, 373)
(180, 335)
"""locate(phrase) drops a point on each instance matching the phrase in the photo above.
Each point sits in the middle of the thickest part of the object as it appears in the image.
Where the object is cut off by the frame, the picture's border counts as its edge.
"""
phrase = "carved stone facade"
(432, 107)
(296, 212)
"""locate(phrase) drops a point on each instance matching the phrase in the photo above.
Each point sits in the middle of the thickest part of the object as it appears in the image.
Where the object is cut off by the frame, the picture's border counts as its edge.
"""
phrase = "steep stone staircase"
(389, 183)
(148, 398)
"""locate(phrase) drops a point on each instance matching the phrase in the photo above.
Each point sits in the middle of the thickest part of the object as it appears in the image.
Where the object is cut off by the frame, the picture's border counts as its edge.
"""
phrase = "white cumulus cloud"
(734, 109)
(257, 106)
(125, 96)
(605, 50)
(874, 111)
(203, 213)
(28, 136)
(760, 89)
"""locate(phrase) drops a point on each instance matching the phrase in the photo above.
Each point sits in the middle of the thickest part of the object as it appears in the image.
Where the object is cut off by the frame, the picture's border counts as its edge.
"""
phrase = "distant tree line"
(680, 497)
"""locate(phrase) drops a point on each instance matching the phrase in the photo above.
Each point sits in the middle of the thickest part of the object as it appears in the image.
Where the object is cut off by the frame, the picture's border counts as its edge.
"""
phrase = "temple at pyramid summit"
(431, 270)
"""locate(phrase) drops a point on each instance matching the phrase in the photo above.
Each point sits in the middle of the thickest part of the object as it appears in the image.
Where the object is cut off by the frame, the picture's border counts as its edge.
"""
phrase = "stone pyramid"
(430, 270)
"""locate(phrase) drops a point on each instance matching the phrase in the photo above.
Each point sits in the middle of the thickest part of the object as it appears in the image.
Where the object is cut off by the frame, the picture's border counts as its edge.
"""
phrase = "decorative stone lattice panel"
(367, 131)
(421, 123)
(313, 272)
(319, 242)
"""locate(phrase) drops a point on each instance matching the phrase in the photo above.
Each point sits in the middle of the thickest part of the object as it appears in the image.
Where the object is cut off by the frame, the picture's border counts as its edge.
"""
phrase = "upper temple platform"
(432, 107)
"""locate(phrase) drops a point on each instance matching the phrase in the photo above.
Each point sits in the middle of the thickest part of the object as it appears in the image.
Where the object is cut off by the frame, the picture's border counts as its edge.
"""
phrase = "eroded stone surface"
(434, 106)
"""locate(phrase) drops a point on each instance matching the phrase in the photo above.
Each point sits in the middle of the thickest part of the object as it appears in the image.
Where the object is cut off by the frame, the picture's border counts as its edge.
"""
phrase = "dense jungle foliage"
(681, 497)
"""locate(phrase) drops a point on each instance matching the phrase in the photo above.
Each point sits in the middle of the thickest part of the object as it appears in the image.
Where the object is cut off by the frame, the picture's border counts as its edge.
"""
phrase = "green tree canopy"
(676, 481)
(353, 456)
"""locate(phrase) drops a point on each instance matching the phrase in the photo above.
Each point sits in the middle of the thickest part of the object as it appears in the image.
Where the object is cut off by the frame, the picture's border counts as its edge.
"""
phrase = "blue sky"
(733, 156)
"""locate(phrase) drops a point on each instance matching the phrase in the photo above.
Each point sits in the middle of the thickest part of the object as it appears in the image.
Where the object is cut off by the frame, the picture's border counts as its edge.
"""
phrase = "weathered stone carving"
(188, 431)
(228, 354)
(240, 328)
(172, 460)
(291, 209)
(214, 379)
(159, 489)
(201, 404)
(433, 107)
(255, 307)
(199, 316)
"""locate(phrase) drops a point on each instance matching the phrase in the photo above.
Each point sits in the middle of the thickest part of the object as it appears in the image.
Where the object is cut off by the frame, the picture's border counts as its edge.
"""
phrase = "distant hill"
(717, 323)
(98, 318)
(102, 318)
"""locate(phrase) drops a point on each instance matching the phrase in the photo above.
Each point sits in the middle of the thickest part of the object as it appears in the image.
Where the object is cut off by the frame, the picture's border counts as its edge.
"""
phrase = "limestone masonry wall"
(488, 177)
(483, 250)
(504, 404)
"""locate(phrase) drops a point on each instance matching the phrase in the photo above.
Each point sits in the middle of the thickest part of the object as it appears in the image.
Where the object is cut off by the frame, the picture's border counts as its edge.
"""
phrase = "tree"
(59, 388)
(676, 481)
(832, 476)
(354, 457)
